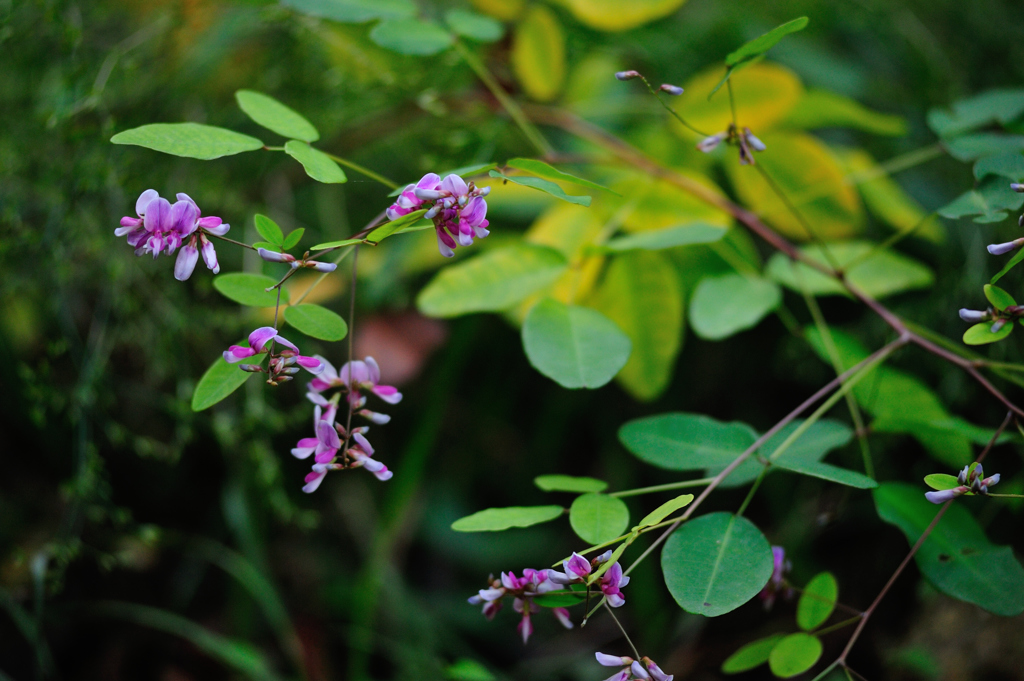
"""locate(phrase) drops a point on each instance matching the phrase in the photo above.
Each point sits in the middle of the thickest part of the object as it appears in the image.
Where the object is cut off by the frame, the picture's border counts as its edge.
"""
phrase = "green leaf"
(1013, 262)
(751, 655)
(267, 245)
(659, 239)
(293, 238)
(411, 36)
(794, 655)
(974, 147)
(882, 274)
(354, 11)
(316, 163)
(951, 427)
(569, 483)
(642, 294)
(665, 510)
(247, 289)
(999, 298)
(982, 334)
(402, 224)
(538, 53)
(478, 27)
(956, 557)
(941, 481)
(558, 600)
(465, 669)
(544, 186)
(219, 381)
(826, 109)
(763, 43)
(725, 305)
(989, 201)
(336, 244)
(1010, 166)
(829, 472)
(275, 116)
(1002, 106)
(597, 518)
(686, 442)
(577, 347)
(191, 140)
(817, 601)
(491, 282)
(498, 519)
(542, 169)
(269, 230)
(316, 321)
(234, 654)
(716, 563)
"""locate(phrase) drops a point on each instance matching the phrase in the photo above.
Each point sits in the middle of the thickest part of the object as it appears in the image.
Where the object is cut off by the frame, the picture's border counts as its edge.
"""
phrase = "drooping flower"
(673, 90)
(972, 481)
(745, 140)
(1002, 249)
(457, 209)
(642, 669)
(284, 360)
(287, 258)
(975, 316)
(522, 590)
(777, 582)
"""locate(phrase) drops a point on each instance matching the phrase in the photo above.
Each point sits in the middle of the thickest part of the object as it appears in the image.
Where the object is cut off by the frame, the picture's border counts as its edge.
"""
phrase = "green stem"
(1008, 496)
(364, 171)
(657, 95)
(337, 261)
(509, 104)
(732, 106)
(623, 630)
(826, 671)
(753, 490)
(888, 243)
(837, 627)
(662, 488)
(230, 241)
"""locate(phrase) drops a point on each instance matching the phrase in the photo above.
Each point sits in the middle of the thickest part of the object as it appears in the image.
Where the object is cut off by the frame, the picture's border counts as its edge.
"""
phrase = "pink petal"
(310, 364)
(236, 353)
(327, 435)
(259, 337)
(186, 263)
(429, 181)
(313, 481)
(613, 660)
(363, 443)
(372, 370)
(454, 184)
(143, 201)
(387, 393)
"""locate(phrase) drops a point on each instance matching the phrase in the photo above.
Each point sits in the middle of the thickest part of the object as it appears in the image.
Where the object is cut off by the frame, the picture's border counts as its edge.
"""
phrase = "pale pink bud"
(274, 256)
(674, 90)
(627, 75)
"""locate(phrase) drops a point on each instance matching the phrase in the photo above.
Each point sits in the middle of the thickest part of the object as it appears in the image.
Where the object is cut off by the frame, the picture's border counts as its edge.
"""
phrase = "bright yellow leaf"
(617, 15)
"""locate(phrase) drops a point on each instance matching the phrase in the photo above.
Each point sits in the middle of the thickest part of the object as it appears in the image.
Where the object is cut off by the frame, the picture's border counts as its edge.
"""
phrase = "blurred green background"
(114, 491)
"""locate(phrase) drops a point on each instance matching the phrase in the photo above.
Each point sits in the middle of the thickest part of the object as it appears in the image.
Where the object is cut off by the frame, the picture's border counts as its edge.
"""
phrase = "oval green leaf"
(191, 140)
(576, 347)
(763, 43)
(316, 321)
(398, 226)
(336, 244)
(794, 655)
(999, 298)
(269, 230)
(725, 305)
(716, 563)
(542, 185)
(219, 381)
(941, 481)
(478, 27)
(498, 519)
(293, 238)
(491, 282)
(569, 483)
(751, 655)
(411, 36)
(666, 509)
(247, 289)
(659, 239)
(542, 169)
(597, 518)
(817, 601)
(981, 334)
(686, 442)
(275, 116)
(538, 54)
(317, 164)
(879, 273)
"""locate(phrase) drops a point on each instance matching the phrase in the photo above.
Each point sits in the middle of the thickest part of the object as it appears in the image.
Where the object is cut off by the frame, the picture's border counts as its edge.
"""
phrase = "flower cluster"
(746, 140)
(162, 227)
(285, 358)
(642, 669)
(777, 583)
(537, 582)
(274, 256)
(458, 210)
(972, 481)
(335, 447)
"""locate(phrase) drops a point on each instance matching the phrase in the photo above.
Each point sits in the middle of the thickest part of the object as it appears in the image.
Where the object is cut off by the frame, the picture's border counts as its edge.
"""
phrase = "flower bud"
(997, 325)
(483, 191)
(1000, 249)
(708, 144)
(754, 142)
(674, 90)
(638, 670)
(274, 256)
(1017, 187)
(990, 481)
(321, 266)
(432, 213)
(974, 316)
(251, 368)
(290, 371)
(426, 194)
(962, 478)
(613, 660)
(627, 75)
(942, 496)
(283, 379)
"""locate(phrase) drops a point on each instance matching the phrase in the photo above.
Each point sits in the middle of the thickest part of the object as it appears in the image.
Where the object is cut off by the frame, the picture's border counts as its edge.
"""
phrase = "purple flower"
(975, 316)
(458, 210)
(709, 144)
(1002, 249)
(358, 453)
(777, 582)
(611, 583)
(642, 669)
(942, 496)
(365, 375)
(274, 256)
(283, 360)
(674, 90)
(522, 590)
(972, 481)
(1017, 187)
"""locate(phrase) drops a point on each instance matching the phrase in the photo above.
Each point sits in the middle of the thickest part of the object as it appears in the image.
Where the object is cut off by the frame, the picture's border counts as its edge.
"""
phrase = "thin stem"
(337, 261)
(795, 212)
(825, 672)
(888, 243)
(850, 671)
(611, 612)
(657, 95)
(390, 184)
(1007, 496)
(753, 490)
(897, 164)
(509, 104)
(837, 627)
(230, 241)
(732, 106)
(277, 307)
(351, 352)
(661, 488)
(995, 436)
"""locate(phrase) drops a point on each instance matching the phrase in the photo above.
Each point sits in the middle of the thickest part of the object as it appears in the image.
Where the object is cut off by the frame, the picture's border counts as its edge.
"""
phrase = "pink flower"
(611, 583)
(457, 209)
(642, 669)
(284, 361)
(777, 582)
(523, 589)
(408, 202)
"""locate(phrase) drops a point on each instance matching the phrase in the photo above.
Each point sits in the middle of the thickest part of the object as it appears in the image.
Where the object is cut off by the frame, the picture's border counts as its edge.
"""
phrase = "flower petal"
(259, 337)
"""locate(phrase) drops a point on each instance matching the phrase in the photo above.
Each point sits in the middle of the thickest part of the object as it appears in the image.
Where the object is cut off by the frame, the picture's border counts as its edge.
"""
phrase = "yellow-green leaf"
(538, 54)
(825, 109)
(616, 15)
(880, 274)
(275, 116)
(316, 163)
(817, 601)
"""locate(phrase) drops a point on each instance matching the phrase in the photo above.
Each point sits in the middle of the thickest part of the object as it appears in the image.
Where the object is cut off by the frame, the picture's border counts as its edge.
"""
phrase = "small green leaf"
(465, 669)
(817, 601)
(989, 201)
(316, 321)
(999, 298)
(293, 238)
(395, 226)
(569, 483)
(665, 510)
(191, 140)
(558, 600)
(478, 27)
(219, 381)
(544, 186)
(657, 239)
(941, 481)
(715, 563)
(879, 273)
(725, 305)
(411, 36)
(981, 334)
(597, 518)
(542, 169)
(1002, 106)
(974, 147)
(336, 244)
(1010, 166)
(685, 442)
(269, 230)
(316, 163)
(247, 289)
(763, 43)
(354, 11)
(826, 109)
(751, 655)
(1013, 262)
(498, 519)
(267, 245)
(275, 116)
(794, 655)
(827, 471)
(493, 281)
(577, 347)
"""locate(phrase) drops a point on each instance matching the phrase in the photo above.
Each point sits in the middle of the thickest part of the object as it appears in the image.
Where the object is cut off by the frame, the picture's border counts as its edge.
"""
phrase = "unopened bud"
(708, 144)
(973, 316)
(754, 142)
(321, 266)
(432, 213)
(1000, 249)
(1015, 310)
(282, 379)
(427, 194)
(962, 478)
(483, 191)
(251, 368)
(627, 75)
(290, 371)
(997, 325)
(991, 480)
(1017, 187)
(671, 89)
(977, 473)
(274, 256)
(462, 201)
(1020, 220)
